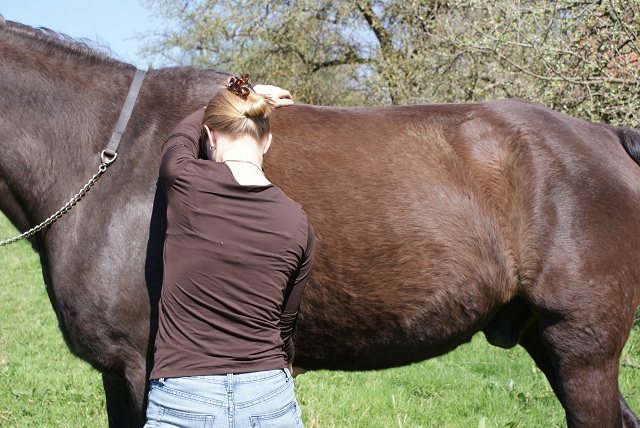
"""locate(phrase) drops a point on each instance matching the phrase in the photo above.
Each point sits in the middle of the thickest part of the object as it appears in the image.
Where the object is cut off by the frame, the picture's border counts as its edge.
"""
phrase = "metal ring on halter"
(108, 157)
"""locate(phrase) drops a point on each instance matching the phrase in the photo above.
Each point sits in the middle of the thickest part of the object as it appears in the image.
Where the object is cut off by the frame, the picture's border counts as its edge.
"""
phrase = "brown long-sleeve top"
(236, 261)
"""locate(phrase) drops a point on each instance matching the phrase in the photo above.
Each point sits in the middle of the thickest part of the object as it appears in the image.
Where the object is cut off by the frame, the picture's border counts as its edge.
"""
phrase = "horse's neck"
(56, 114)
(59, 107)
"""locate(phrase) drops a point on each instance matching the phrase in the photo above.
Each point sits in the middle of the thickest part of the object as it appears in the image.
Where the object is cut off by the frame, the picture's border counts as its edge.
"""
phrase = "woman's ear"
(267, 144)
(210, 141)
(210, 144)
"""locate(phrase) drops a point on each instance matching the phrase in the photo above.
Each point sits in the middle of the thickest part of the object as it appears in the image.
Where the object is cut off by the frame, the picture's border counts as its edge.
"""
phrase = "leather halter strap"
(109, 154)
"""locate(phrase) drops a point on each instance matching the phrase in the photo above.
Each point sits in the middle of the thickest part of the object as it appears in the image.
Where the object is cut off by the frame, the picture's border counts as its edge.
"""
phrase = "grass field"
(43, 385)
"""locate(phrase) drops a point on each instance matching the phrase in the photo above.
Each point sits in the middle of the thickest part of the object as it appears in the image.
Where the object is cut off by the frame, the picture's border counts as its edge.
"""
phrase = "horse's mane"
(53, 40)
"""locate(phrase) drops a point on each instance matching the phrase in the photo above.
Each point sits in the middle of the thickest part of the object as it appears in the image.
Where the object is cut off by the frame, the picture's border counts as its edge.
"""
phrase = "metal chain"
(64, 209)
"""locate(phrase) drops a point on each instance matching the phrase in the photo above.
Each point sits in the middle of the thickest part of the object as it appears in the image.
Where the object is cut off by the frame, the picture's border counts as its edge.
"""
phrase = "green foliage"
(292, 44)
(579, 57)
(341, 53)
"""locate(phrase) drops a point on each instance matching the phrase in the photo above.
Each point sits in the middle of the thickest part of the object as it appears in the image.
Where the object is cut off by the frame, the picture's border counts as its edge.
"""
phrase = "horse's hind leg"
(585, 380)
(532, 341)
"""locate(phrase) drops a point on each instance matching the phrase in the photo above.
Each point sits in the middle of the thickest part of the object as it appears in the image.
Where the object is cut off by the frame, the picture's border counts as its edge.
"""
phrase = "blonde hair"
(235, 115)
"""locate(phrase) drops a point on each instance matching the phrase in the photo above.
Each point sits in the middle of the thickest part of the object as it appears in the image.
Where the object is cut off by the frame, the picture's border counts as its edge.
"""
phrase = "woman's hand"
(280, 97)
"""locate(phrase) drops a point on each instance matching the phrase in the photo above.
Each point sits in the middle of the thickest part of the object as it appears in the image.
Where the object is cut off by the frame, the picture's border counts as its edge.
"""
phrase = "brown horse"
(433, 223)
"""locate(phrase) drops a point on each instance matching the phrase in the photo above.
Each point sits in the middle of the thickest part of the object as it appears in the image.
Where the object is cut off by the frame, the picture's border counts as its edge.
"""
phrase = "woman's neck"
(244, 159)
(246, 173)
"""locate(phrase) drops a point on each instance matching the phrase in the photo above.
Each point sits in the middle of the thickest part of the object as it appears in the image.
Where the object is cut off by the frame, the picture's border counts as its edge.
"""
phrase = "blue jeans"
(261, 399)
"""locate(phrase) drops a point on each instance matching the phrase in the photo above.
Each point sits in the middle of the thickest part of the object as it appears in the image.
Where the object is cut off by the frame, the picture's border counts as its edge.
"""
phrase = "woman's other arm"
(182, 145)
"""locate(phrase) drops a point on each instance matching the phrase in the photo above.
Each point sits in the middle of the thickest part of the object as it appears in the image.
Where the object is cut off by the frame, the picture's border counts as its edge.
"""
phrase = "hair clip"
(240, 86)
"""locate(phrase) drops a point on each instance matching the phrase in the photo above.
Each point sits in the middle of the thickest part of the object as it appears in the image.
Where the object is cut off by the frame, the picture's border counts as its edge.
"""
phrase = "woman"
(236, 260)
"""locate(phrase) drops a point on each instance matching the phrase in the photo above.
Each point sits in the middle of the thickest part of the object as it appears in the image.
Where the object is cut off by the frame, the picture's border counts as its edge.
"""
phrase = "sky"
(117, 24)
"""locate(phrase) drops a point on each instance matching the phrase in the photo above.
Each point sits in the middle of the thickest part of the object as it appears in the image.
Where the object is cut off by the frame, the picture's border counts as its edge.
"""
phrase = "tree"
(580, 57)
(352, 52)
(302, 45)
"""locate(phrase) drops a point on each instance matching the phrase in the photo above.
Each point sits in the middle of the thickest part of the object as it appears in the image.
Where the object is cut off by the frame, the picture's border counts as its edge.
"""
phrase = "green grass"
(43, 385)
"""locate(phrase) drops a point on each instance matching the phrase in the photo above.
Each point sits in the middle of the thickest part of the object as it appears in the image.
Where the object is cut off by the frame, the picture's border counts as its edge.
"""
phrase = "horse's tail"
(630, 140)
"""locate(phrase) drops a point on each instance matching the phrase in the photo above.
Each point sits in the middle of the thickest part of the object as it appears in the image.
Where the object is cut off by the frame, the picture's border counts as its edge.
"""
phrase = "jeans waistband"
(234, 378)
